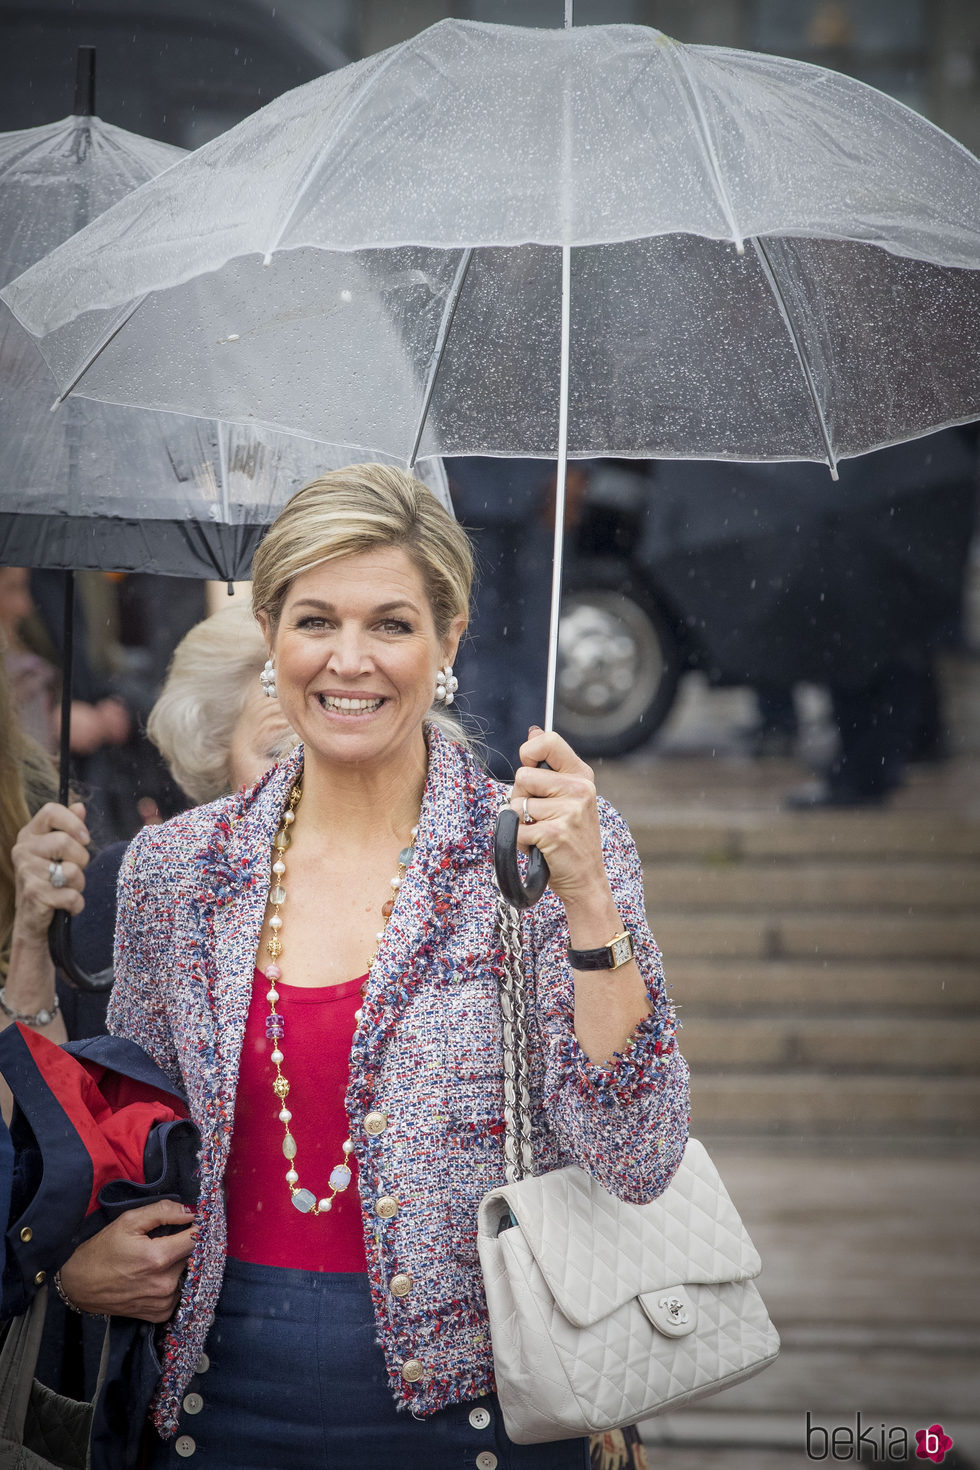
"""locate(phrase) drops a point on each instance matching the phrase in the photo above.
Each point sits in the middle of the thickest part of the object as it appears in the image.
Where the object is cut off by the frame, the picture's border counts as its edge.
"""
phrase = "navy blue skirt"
(292, 1379)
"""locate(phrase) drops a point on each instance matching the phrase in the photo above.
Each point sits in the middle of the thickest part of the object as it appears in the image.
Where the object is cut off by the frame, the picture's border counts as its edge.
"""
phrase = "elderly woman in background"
(212, 725)
(352, 891)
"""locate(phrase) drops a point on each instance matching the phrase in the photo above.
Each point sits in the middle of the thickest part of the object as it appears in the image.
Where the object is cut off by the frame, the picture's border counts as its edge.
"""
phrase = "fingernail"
(535, 730)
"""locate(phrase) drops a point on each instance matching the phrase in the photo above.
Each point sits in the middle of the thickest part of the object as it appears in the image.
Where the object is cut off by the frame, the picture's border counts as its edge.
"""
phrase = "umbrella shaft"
(566, 267)
(67, 671)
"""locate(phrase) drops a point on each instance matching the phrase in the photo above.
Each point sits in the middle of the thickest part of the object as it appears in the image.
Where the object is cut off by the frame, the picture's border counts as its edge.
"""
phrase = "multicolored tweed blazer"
(427, 1052)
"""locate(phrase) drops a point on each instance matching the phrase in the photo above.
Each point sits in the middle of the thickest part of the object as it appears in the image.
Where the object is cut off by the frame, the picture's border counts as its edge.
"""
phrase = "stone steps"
(919, 1046)
(711, 986)
(811, 935)
(744, 835)
(826, 968)
(911, 888)
(804, 1104)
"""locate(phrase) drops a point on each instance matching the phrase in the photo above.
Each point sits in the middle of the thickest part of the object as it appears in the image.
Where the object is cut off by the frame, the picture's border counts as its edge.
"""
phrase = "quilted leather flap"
(597, 1252)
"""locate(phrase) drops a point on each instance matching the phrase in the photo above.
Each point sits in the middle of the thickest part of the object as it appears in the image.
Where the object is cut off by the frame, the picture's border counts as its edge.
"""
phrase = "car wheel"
(619, 661)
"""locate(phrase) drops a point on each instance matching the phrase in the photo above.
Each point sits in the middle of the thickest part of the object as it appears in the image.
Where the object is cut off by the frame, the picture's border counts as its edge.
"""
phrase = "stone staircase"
(826, 967)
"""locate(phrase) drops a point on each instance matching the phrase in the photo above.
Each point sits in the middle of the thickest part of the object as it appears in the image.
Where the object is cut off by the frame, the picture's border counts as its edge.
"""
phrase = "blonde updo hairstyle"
(213, 669)
(361, 508)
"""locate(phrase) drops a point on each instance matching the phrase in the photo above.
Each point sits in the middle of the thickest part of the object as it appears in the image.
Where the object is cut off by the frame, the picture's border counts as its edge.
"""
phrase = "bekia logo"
(932, 1444)
(874, 1443)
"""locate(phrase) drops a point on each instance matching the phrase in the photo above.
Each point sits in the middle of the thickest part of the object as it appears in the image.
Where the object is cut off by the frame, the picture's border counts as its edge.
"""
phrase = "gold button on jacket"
(386, 1207)
(26, 1234)
(375, 1123)
(401, 1284)
(412, 1370)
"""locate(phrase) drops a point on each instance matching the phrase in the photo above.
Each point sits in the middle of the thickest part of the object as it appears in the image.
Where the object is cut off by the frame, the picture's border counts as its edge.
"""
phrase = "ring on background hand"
(526, 815)
(56, 874)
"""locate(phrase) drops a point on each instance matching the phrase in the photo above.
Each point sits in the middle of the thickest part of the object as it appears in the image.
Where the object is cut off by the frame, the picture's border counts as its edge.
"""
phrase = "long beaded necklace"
(341, 1174)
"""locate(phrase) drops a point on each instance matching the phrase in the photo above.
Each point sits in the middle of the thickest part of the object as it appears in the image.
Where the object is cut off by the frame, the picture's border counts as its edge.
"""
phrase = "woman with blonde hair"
(315, 961)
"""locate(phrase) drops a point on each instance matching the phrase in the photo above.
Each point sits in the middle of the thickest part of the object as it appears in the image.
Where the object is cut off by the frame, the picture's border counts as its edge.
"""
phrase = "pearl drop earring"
(446, 685)
(267, 679)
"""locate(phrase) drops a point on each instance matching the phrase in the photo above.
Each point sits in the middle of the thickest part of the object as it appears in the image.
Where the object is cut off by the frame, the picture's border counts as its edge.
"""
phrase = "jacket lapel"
(233, 881)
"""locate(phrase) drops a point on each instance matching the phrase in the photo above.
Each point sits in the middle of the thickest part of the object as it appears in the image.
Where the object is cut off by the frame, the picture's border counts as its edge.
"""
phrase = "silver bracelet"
(59, 1288)
(39, 1018)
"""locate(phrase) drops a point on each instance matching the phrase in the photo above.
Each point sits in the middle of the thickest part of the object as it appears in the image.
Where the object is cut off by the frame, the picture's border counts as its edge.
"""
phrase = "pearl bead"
(277, 1057)
(285, 1116)
(291, 1176)
(347, 1146)
(358, 1016)
(415, 831)
(325, 1204)
(275, 922)
(272, 995)
(289, 818)
(279, 867)
(395, 883)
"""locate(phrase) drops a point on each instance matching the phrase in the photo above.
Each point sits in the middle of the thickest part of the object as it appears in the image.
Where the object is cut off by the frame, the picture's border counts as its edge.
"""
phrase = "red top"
(264, 1225)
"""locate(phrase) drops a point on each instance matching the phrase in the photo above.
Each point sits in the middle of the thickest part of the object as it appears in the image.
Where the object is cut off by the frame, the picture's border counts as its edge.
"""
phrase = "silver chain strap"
(517, 1064)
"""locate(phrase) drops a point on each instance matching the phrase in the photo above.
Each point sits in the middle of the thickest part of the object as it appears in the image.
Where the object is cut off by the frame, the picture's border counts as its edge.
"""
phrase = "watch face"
(622, 951)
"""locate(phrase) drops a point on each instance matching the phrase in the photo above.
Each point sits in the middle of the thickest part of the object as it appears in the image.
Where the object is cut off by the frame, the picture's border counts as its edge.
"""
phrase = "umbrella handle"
(59, 945)
(522, 895)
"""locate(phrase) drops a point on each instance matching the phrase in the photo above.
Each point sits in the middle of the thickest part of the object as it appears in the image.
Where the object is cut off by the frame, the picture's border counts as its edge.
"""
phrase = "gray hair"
(213, 669)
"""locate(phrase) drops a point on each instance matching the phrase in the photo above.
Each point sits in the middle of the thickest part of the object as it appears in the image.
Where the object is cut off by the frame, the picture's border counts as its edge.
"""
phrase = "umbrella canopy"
(413, 207)
(98, 485)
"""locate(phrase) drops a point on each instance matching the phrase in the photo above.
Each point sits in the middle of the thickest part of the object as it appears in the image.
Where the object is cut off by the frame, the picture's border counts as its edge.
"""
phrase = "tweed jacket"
(426, 1053)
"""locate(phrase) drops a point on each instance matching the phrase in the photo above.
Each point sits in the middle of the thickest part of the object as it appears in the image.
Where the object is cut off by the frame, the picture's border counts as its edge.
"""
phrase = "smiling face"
(356, 654)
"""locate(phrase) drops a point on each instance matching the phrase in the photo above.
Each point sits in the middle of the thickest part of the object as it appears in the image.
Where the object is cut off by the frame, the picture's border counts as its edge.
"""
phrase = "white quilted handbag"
(604, 1313)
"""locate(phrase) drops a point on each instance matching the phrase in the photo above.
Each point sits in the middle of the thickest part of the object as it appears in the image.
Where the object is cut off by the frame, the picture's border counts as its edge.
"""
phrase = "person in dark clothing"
(502, 664)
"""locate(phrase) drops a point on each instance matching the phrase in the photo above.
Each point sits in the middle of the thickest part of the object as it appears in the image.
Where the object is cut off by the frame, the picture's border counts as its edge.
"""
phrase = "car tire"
(619, 660)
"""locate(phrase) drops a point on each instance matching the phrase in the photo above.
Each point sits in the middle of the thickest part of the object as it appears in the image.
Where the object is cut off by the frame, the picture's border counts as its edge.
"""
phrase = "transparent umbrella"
(99, 485)
(106, 486)
(588, 242)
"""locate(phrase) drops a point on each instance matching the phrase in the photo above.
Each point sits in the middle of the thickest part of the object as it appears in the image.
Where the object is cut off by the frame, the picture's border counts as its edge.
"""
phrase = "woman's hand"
(609, 1004)
(125, 1272)
(565, 819)
(54, 834)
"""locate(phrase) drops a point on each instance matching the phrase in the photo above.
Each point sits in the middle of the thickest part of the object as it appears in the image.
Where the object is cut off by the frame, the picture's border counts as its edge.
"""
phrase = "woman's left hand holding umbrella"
(49, 858)
(554, 796)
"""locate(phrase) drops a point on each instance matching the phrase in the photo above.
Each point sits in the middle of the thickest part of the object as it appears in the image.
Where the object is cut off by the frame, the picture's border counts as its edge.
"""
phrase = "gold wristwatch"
(619, 951)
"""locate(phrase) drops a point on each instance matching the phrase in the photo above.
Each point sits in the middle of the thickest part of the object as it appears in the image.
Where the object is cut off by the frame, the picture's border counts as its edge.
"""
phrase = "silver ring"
(56, 874)
(526, 815)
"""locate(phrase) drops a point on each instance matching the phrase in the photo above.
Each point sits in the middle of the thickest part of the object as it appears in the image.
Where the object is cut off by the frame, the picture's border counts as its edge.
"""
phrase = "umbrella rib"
(703, 130)
(93, 357)
(394, 54)
(784, 311)
(440, 347)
